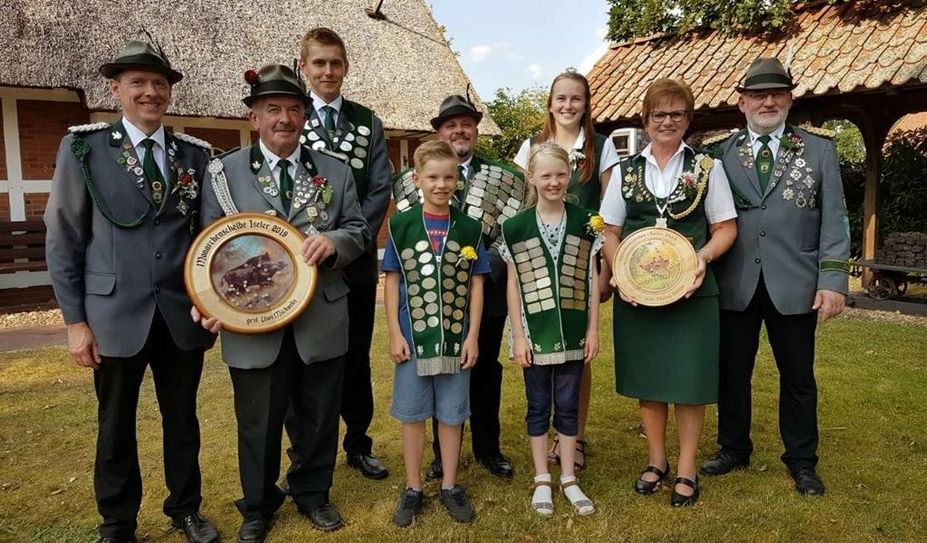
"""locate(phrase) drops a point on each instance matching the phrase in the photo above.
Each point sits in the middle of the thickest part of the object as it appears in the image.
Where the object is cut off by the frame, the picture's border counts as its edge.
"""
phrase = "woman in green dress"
(669, 354)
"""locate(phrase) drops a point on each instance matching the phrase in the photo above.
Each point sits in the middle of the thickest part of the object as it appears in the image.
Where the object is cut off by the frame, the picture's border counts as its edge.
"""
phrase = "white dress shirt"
(318, 103)
(609, 154)
(273, 160)
(136, 136)
(773, 142)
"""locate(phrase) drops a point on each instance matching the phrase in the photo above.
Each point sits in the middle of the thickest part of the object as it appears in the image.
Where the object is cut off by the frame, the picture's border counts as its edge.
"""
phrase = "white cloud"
(478, 53)
(534, 70)
(589, 60)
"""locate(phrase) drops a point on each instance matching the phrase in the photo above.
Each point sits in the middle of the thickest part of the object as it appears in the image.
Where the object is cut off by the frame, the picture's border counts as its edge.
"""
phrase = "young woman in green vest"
(592, 157)
(669, 354)
(550, 249)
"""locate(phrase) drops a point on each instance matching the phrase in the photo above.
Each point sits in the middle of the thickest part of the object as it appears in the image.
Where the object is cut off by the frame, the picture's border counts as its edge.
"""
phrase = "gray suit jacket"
(375, 202)
(321, 332)
(113, 277)
(796, 233)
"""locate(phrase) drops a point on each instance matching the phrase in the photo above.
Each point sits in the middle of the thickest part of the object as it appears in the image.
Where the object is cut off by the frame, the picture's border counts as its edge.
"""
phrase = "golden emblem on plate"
(655, 266)
(247, 270)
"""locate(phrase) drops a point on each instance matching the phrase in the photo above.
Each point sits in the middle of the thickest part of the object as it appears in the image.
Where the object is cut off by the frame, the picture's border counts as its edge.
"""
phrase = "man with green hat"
(121, 215)
(303, 363)
(787, 269)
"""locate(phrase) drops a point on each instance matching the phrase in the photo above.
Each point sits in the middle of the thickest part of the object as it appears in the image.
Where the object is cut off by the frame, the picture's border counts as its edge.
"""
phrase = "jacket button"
(157, 289)
(157, 254)
(762, 233)
(157, 222)
(763, 206)
(757, 260)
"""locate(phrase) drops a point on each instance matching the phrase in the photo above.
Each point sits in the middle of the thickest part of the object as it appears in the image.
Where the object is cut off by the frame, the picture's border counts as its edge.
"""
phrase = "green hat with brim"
(765, 74)
(274, 80)
(139, 55)
(453, 106)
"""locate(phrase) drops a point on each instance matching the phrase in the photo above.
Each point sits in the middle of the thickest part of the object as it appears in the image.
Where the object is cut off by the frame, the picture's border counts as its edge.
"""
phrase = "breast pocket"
(101, 284)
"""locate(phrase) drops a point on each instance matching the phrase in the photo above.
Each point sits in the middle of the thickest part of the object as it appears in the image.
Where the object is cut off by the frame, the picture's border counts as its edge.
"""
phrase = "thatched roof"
(836, 50)
(401, 66)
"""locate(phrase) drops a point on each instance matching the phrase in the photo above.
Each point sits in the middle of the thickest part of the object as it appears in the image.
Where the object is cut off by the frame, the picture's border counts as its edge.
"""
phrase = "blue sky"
(522, 43)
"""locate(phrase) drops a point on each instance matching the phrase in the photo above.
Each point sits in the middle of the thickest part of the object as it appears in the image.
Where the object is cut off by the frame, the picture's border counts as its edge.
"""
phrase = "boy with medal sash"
(550, 250)
(434, 264)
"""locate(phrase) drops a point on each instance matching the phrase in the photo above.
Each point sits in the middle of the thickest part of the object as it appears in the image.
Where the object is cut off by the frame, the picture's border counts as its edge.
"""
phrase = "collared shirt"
(719, 203)
(318, 103)
(466, 166)
(773, 142)
(136, 136)
(609, 154)
(273, 159)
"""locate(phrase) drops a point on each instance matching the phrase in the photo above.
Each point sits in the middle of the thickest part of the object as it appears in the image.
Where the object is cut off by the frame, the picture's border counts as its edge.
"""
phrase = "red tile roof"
(834, 50)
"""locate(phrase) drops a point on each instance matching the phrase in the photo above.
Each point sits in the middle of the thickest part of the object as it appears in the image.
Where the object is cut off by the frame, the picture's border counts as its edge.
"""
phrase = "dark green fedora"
(274, 80)
(766, 73)
(139, 55)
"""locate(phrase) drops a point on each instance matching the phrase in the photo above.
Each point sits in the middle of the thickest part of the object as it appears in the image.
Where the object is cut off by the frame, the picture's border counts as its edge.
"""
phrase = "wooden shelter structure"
(861, 61)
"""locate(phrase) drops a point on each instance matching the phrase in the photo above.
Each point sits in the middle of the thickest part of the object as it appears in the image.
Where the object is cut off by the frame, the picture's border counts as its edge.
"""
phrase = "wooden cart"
(890, 281)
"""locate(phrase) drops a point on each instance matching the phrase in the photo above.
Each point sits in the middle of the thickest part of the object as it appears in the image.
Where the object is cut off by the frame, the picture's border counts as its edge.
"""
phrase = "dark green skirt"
(668, 354)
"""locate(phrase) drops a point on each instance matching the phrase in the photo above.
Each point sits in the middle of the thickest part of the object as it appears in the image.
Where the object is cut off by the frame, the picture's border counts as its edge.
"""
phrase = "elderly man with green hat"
(787, 269)
(303, 363)
(121, 215)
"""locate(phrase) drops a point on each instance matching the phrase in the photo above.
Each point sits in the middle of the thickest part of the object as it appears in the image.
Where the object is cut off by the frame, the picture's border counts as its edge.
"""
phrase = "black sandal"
(677, 499)
(649, 487)
(580, 448)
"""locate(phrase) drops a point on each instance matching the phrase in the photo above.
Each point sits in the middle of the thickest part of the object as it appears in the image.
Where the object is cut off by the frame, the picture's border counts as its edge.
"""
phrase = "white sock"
(577, 498)
(542, 493)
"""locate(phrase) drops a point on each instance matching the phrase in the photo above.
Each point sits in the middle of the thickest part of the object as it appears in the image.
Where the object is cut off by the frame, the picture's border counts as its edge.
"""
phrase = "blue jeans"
(557, 384)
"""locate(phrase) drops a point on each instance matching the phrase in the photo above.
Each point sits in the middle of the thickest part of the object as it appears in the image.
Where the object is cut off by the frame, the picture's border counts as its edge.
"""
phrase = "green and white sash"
(437, 287)
(554, 297)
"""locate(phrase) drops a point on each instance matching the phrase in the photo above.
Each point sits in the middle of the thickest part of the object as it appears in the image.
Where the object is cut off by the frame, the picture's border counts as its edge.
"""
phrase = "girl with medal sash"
(434, 264)
(550, 250)
(669, 354)
(592, 158)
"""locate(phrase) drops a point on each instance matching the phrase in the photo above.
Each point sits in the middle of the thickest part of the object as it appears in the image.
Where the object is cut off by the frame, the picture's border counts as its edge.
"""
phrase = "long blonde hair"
(549, 150)
(585, 122)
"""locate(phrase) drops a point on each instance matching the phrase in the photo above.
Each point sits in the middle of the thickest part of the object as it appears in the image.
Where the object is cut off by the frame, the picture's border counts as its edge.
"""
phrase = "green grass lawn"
(872, 378)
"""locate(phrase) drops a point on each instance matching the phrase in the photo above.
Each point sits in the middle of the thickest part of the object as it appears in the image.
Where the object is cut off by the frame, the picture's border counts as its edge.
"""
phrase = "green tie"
(461, 183)
(152, 172)
(286, 184)
(764, 163)
(329, 121)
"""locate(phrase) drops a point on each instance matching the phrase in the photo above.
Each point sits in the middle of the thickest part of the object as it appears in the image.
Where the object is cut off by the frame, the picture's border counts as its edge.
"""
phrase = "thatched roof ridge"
(401, 67)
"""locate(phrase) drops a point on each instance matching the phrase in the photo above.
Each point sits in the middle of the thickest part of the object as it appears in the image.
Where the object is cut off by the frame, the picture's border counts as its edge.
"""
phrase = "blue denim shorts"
(445, 397)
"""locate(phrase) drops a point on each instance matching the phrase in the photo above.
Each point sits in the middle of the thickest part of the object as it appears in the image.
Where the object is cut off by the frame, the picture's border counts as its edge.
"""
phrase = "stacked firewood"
(908, 249)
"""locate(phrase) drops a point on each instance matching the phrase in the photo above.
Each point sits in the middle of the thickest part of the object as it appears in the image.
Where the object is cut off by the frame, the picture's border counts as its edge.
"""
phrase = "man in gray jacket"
(302, 363)
(787, 269)
(121, 215)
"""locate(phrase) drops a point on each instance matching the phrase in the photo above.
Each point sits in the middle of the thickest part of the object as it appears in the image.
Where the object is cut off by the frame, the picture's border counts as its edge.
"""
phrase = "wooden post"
(874, 127)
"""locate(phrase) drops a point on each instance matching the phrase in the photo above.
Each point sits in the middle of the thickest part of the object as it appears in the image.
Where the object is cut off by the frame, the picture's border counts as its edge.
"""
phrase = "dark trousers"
(117, 480)
(261, 400)
(557, 385)
(485, 391)
(792, 340)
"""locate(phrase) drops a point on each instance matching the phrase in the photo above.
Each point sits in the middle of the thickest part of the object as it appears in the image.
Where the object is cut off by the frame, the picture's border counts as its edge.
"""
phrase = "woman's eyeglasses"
(676, 116)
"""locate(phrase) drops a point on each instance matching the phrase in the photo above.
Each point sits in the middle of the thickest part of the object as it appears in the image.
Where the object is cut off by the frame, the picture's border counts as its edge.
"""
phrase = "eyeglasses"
(761, 96)
(676, 116)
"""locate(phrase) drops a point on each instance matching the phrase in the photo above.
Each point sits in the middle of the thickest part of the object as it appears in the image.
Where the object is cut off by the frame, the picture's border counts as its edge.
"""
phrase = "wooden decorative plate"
(247, 270)
(655, 266)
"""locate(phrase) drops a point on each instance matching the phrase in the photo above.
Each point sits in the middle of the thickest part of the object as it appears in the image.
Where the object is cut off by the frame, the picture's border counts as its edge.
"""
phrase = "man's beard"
(765, 125)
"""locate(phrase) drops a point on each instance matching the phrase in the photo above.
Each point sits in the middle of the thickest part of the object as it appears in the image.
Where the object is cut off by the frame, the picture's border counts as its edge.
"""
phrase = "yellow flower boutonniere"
(467, 254)
(596, 224)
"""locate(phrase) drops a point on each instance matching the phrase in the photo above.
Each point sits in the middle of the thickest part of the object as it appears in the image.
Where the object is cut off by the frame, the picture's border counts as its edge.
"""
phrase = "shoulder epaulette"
(714, 140)
(819, 131)
(195, 141)
(93, 127)
(226, 153)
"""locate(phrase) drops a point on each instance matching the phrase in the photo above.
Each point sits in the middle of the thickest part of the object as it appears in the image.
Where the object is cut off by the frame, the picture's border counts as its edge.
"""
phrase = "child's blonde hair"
(549, 150)
(433, 150)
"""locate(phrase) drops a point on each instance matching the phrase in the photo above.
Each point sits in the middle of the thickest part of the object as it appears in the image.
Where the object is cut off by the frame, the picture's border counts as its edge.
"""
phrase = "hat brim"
(765, 86)
(113, 69)
(456, 111)
(250, 100)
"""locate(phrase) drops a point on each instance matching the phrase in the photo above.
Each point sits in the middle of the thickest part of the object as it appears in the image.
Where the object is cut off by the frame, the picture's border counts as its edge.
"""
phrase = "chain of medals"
(702, 165)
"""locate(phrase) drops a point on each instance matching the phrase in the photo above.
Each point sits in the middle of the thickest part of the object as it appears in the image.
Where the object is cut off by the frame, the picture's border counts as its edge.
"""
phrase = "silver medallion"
(363, 130)
(422, 246)
(362, 141)
(429, 283)
(433, 321)
(357, 163)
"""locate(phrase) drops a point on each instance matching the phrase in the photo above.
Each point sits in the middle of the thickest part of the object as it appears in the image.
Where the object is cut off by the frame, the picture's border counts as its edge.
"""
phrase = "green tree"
(519, 116)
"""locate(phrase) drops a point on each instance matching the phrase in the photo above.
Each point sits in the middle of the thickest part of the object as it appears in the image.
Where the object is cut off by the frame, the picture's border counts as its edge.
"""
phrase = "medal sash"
(353, 147)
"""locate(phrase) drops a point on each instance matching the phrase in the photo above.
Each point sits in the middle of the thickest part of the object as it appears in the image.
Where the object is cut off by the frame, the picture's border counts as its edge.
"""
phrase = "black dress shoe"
(649, 487)
(498, 464)
(196, 527)
(369, 466)
(435, 470)
(723, 462)
(324, 517)
(807, 482)
(677, 499)
(254, 529)
(112, 539)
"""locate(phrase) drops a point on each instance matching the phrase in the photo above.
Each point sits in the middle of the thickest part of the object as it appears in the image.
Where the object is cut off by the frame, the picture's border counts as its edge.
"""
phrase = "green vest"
(437, 287)
(641, 209)
(354, 146)
(588, 194)
(554, 301)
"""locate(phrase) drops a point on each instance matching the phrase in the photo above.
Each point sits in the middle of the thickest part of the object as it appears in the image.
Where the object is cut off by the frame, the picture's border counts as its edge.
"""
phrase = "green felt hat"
(766, 73)
(139, 55)
(274, 80)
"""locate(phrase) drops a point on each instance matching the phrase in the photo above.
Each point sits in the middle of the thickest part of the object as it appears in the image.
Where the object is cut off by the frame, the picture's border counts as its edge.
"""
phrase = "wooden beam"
(874, 124)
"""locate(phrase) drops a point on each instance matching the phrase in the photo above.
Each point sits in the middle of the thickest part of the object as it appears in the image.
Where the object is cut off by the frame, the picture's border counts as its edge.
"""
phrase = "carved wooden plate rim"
(623, 263)
(199, 282)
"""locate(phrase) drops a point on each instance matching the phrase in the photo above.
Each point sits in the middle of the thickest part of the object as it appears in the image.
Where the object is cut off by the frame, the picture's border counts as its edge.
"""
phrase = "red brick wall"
(222, 138)
(2, 151)
(4, 207)
(41, 126)
(35, 205)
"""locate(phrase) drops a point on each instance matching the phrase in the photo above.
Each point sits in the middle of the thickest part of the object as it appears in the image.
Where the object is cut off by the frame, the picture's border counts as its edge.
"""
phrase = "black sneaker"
(409, 507)
(457, 504)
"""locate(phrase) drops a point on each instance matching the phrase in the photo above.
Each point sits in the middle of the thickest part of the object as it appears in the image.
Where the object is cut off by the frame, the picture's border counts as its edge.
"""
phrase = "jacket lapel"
(744, 152)
(263, 181)
(783, 164)
(123, 153)
(302, 185)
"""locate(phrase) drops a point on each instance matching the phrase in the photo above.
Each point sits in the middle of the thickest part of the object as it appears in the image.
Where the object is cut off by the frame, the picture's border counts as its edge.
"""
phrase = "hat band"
(761, 79)
(143, 58)
(276, 86)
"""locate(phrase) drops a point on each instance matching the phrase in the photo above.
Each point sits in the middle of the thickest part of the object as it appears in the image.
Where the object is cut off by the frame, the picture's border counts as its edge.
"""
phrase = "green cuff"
(835, 265)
